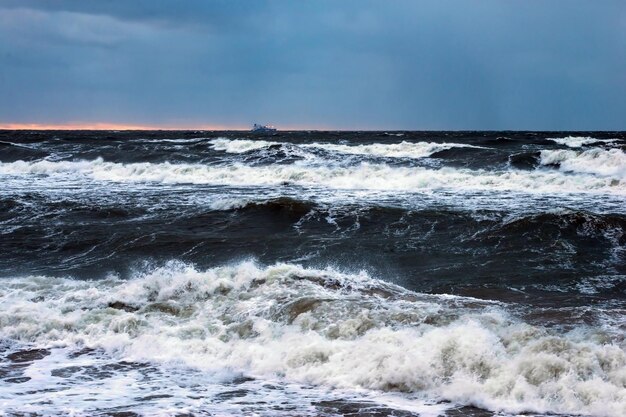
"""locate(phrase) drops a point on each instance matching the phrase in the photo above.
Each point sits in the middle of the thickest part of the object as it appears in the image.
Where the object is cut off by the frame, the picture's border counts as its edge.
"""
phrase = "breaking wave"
(598, 161)
(393, 150)
(580, 141)
(403, 149)
(239, 145)
(363, 176)
(323, 328)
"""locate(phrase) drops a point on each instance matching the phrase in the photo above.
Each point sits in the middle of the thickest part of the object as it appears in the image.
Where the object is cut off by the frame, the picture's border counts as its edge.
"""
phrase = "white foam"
(179, 140)
(403, 149)
(604, 162)
(579, 141)
(324, 328)
(229, 203)
(239, 145)
(364, 176)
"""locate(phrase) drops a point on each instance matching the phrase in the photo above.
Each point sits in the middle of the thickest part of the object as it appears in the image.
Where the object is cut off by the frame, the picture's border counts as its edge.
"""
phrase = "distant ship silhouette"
(257, 128)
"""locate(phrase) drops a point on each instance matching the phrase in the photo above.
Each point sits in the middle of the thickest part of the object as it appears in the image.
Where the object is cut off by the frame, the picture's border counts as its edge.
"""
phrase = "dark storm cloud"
(346, 64)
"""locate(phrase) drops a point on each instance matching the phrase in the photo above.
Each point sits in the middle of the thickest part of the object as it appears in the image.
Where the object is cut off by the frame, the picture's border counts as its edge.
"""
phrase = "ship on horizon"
(257, 128)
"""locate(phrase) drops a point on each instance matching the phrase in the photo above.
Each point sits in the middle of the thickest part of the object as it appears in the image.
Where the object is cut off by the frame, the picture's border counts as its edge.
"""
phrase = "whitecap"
(603, 162)
(403, 149)
(363, 176)
(579, 141)
(323, 328)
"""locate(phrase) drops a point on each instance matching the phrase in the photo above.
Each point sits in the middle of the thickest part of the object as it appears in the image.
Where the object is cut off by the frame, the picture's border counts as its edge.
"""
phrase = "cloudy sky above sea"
(341, 64)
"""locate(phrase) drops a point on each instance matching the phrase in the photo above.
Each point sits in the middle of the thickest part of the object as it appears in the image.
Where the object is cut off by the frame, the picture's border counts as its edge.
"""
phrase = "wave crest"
(364, 176)
(403, 149)
(580, 141)
(325, 328)
(598, 161)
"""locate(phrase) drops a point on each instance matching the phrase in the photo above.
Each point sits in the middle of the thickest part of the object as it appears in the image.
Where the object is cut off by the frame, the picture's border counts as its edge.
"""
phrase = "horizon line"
(109, 126)
(130, 126)
(105, 126)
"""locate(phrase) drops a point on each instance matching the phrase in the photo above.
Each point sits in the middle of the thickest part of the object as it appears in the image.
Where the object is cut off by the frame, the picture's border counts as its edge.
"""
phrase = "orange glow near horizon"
(110, 126)
(123, 126)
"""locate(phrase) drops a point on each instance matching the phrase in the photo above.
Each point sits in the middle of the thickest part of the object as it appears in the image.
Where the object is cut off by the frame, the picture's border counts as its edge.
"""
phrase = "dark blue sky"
(491, 64)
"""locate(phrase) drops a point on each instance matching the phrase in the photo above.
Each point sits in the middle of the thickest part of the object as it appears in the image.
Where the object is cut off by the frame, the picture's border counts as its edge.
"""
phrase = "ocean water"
(202, 273)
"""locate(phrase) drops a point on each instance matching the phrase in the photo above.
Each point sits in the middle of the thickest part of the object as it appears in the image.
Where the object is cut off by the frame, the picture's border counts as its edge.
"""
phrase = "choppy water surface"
(312, 273)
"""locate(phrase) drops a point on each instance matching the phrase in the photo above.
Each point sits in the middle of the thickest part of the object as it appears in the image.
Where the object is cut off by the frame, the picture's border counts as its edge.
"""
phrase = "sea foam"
(403, 149)
(603, 162)
(580, 141)
(323, 328)
(577, 174)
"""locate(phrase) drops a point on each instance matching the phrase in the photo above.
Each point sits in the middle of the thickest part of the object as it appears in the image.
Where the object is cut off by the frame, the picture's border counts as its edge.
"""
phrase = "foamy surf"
(580, 141)
(239, 145)
(363, 176)
(309, 327)
(403, 149)
(604, 162)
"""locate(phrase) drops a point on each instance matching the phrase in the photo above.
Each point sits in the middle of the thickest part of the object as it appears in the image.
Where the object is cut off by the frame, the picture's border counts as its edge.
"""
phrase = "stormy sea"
(193, 273)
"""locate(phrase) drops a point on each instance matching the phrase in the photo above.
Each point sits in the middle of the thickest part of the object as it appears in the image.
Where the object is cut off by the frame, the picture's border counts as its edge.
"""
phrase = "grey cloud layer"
(345, 64)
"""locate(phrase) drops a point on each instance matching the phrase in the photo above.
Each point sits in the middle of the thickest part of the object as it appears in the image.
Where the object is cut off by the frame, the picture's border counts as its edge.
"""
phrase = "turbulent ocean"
(324, 274)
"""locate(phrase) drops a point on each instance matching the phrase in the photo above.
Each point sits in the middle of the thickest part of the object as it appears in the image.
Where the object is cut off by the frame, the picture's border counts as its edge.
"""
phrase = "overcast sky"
(351, 64)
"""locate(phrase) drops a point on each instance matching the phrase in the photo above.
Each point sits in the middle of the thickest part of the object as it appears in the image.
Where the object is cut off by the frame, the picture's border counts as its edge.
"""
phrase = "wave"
(363, 176)
(403, 149)
(323, 328)
(585, 223)
(571, 229)
(276, 204)
(580, 141)
(603, 162)
(240, 145)
(524, 160)
(10, 152)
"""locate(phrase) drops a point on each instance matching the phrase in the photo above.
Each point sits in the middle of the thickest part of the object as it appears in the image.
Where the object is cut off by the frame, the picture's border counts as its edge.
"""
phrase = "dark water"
(313, 273)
